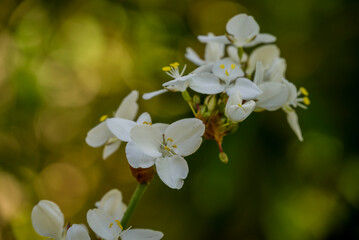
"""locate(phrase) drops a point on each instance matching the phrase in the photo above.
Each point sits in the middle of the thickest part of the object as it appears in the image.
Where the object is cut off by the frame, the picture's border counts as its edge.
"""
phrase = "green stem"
(136, 197)
(191, 107)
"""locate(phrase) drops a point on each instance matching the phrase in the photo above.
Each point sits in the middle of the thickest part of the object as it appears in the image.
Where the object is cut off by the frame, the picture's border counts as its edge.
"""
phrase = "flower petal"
(266, 54)
(77, 232)
(214, 51)
(261, 38)
(136, 158)
(274, 96)
(112, 204)
(293, 123)
(144, 118)
(259, 75)
(219, 39)
(110, 148)
(129, 106)
(161, 126)
(121, 128)
(186, 135)
(232, 52)
(243, 28)
(47, 219)
(247, 89)
(150, 95)
(206, 83)
(172, 170)
(98, 135)
(227, 70)
(103, 224)
(237, 112)
(141, 234)
(148, 139)
(193, 57)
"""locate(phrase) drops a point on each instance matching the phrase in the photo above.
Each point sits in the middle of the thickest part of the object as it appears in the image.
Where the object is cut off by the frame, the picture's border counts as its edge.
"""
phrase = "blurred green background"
(65, 63)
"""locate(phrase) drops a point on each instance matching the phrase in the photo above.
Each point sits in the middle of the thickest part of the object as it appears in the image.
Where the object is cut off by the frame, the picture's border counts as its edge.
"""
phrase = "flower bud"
(196, 99)
(186, 96)
(212, 103)
(112, 204)
(47, 219)
(223, 157)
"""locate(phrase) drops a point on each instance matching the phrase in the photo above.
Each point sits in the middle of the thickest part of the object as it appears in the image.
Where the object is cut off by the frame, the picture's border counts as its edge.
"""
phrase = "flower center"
(227, 71)
(173, 71)
(118, 223)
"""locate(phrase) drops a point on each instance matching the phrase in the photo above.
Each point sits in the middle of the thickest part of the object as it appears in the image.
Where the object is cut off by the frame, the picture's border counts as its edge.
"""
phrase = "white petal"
(129, 107)
(121, 128)
(274, 96)
(259, 75)
(205, 68)
(294, 124)
(141, 234)
(225, 71)
(247, 89)
(161, 126)
(47, 219)
(193, 57)
(110, 148)
(186, 135)
(100, 223)
(206, 83)
(219, 39)
(98, 135)
(172, 170)
(144, 118)
(136, 158)
(233, 54)
(179, 84)
(243, 28)
(266, 54)
(261, 38)
(150, 95)
(77, 232)
(148, 139)
(112, 204)
(277, 71)
(292, 92)
(214, 51)
(237, 112)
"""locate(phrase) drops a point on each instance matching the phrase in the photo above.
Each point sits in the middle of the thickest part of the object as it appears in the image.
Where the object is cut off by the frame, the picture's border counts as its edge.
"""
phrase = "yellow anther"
(111, 224)
(170, 139)
(119, 224)
(306, 100)
(103, 118)
(240, 105)
(174, 65)
(304, 91)
(166, 69)
(167, 148)
(222, 66)
(227, 73)
(233, 66)
(145, 122)
(174, 146)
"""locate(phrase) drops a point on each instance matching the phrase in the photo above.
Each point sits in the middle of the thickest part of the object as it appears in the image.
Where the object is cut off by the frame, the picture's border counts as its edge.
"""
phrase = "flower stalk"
(136, 197)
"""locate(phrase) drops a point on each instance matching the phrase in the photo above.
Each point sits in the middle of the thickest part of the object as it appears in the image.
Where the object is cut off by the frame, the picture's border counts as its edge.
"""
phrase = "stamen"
(304, 91)
(227, 73)
(306, 100)
(167, 148)
(240, 105)
(222, 66)
(103, 118)
(174, 146)
(119, 224)
(174, 65)
(233, 66)
(145, 122)
(111, 224)
(169, 139)
(166, 69)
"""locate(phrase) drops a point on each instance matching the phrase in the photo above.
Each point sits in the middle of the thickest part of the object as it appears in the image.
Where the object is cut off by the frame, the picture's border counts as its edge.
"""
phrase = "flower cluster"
(228, 84)
(105, 220)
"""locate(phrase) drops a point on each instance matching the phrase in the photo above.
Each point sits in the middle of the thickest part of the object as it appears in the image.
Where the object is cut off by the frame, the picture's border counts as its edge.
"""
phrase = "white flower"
(101, 135)
(178, 84)
(226, 77)
(150, 146)
(110, 228)
(243, 31)
(213, 52)
(112, 204)
(235, 109)
(77, 232)
(48, 220)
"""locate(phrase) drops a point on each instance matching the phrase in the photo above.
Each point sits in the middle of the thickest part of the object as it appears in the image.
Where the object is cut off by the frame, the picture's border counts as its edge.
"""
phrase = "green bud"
(186, 96)
(196, 99)
(212, 103)
(223, 157)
